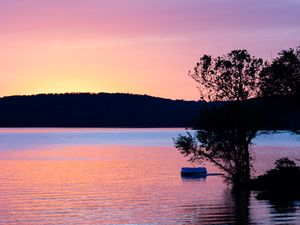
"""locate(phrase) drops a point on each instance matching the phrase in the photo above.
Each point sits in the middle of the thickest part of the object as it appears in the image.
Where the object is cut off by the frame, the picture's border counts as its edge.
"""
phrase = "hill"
(269, 113)
(96, 110)
(130, 110)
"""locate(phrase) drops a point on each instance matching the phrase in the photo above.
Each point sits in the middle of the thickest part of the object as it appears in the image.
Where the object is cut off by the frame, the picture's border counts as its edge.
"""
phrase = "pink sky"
(134, 46)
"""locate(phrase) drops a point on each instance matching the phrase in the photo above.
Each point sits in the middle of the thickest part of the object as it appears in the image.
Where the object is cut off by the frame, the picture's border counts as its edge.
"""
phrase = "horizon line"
(95, 93)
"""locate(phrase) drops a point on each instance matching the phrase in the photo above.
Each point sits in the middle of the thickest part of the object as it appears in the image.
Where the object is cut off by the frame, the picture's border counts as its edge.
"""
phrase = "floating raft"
(190, 171)
(196, 172)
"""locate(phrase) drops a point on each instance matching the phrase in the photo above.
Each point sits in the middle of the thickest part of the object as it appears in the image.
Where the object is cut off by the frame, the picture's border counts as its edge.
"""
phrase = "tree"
(234, 76)
(227, 129)
(227, 149)
(282, 76)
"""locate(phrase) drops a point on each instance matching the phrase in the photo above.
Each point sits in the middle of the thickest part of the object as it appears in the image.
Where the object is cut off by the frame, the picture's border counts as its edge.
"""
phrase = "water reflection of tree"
(236, 210)
(283, 207)
(241, 199)
(283, 210)
(233, 208)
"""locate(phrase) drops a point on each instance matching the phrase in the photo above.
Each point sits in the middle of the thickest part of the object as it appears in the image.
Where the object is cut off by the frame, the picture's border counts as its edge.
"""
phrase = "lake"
(125, 176)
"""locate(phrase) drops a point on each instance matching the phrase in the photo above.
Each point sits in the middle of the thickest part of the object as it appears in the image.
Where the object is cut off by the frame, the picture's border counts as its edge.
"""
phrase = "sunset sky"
(132, 46)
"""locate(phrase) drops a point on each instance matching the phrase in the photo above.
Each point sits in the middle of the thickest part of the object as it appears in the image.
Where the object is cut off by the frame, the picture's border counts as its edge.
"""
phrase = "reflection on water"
(101, 183)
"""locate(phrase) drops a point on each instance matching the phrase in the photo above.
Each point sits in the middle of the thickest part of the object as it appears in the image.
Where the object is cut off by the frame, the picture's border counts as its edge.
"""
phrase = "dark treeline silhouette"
(128, 110)
(96, 110)
(262, 113)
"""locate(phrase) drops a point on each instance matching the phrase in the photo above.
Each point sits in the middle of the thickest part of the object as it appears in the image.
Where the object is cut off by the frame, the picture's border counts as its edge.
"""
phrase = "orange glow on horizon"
(88, 68)
(142, 47)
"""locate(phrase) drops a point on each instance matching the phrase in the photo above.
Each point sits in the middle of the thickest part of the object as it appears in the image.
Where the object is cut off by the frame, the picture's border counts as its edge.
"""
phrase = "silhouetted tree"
(227, 149)
(226, 131)
(234, 76)
(282, 76)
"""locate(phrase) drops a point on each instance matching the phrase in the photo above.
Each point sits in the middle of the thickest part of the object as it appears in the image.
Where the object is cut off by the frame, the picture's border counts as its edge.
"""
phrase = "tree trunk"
(243, 164)
(247, 165)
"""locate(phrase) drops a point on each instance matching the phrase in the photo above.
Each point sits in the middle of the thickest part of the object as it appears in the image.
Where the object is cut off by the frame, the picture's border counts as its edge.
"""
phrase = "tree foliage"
(284, 163)
(282, 76)
(234, 76)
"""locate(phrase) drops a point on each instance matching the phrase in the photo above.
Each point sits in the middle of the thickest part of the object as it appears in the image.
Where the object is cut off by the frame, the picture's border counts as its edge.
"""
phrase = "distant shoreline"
(96, 110)
(105, 110)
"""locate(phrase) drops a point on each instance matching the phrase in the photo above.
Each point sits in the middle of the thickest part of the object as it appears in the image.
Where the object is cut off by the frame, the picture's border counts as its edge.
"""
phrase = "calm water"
(125, 176)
